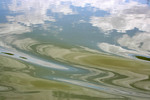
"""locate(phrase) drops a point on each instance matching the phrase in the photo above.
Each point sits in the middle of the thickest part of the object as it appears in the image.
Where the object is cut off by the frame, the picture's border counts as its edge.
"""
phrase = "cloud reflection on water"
(122, 16)
(135, 45)
(77, 64)
(12, 28)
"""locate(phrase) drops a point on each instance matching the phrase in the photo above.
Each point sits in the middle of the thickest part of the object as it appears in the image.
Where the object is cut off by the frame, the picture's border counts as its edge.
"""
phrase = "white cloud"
(106, 5)
(122, 23)
(41, 6)
(13, 28)
(110, 23)
(30, 19)
(114, 49)
(64, 9)
(138, 42)
(123, 17)
(118, 50)
(31, 12)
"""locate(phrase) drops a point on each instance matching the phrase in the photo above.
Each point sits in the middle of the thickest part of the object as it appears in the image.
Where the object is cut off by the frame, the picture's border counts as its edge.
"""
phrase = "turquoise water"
(74, 50)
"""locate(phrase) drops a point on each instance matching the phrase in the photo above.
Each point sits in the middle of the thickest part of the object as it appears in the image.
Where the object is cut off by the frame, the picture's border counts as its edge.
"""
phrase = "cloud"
(110, 23)
(118, 50)
(41, 6)
(114, 49)
(138, 42)
(30, 19)
(106, 5)
(32, 12)
(64, 9)
(124, 17)
(13, 28)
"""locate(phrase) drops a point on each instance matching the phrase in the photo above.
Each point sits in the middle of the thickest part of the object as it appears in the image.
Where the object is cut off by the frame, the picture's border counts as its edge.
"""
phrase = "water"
(74, 50)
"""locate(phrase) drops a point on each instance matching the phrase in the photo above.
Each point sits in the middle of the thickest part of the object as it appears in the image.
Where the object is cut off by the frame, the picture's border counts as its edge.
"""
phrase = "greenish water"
(74, 50)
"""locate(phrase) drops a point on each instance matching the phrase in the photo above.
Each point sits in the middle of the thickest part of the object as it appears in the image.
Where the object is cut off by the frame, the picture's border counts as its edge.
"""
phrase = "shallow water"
(74, 50)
